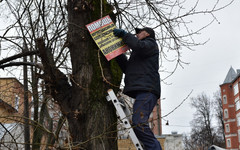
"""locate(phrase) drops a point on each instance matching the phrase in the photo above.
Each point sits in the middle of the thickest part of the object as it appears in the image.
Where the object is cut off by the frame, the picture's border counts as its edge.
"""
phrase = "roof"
(238, 71)
(231, 75)
(214, 147)
(7, 106)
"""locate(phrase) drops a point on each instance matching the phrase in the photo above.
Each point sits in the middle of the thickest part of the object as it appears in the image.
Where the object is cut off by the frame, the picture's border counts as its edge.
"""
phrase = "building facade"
(155, 119)
(11, 100)
(231, 109)
(11, 113)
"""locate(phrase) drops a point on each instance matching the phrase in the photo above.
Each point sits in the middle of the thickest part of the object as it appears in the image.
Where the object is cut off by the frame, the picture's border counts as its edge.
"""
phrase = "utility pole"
(26, 104)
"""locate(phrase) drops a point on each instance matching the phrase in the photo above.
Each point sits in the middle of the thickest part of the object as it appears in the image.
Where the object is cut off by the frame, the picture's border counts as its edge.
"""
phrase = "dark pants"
(142, 108)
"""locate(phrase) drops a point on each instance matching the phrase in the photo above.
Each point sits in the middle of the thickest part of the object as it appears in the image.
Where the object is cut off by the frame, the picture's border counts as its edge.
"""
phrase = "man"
(142, 80)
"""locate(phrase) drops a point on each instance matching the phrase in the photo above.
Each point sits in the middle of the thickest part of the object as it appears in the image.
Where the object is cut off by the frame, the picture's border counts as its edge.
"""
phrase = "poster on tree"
(101, 31)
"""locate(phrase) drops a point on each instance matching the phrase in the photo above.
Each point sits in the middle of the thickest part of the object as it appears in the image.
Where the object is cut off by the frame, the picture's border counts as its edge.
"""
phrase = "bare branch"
(18, 56)
(10, 64)
(9, 134)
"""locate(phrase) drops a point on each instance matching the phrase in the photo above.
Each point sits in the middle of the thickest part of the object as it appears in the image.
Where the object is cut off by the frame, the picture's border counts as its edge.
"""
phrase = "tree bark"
(92, 120)
(26, 106)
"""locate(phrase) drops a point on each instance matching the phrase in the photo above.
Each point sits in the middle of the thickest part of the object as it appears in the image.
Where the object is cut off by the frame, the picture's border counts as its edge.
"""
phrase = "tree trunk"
(92, 119)
(93, 116)
(26, 105)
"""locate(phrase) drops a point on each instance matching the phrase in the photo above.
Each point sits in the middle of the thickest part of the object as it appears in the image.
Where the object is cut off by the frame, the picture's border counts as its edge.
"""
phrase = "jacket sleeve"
(144, 48)
(122, 62)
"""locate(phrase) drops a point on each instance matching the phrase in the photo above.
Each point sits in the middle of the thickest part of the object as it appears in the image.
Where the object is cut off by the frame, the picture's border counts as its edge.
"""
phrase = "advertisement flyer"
(101, 31)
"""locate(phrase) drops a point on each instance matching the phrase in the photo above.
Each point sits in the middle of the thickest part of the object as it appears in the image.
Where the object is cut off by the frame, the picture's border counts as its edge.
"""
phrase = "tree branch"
(18, 56)
(9, 134)
(56, 81)
(20, 64)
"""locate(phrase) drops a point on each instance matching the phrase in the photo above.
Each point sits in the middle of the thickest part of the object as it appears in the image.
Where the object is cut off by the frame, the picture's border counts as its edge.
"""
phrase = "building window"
(238, 135)
(235, 88)
(227, 128)
(238, 120)
(237, 103)
(17, 98)
(225, 113)
(228, 142)
(224, 99)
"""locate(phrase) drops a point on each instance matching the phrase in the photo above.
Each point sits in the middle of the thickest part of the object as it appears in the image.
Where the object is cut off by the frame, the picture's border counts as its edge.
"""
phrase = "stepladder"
(123, 112)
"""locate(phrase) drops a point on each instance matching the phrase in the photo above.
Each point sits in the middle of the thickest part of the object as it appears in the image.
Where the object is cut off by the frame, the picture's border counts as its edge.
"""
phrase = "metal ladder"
(124, 118)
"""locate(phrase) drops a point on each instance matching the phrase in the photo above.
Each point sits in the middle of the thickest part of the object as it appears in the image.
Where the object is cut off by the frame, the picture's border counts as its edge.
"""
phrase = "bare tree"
(203, 133)
(218, 109)
(29, 27)
(75, 75)
(202, 125)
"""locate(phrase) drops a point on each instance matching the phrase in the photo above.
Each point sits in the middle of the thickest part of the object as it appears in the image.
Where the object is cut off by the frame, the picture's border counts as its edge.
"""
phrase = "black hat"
(148, 30)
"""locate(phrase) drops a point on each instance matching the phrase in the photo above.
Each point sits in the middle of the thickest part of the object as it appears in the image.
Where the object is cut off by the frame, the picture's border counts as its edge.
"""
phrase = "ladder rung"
(120, 105)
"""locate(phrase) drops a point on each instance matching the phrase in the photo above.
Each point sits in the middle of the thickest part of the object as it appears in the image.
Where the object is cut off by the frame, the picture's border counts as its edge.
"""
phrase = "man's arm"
(145, 48)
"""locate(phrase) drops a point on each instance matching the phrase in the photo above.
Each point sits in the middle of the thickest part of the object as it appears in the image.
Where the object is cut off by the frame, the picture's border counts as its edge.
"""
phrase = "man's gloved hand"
(119, 32)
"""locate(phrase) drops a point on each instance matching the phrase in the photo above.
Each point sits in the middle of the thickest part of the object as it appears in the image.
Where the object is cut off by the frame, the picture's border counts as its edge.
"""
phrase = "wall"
(168, 142)
(126, 144)
(9, 89)
(231, 120)
(173, 142)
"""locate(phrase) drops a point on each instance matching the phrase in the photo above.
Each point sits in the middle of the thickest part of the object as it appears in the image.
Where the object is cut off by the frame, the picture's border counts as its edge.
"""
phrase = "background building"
(11, 113)
(231, 108)
(155, 119)
(11, 100)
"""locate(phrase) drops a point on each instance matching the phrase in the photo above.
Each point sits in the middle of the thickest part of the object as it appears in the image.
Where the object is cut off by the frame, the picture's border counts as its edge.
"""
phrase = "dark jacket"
(141, 69)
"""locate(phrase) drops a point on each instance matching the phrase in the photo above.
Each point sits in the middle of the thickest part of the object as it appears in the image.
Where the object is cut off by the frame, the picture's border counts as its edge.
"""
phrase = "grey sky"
(208, 68)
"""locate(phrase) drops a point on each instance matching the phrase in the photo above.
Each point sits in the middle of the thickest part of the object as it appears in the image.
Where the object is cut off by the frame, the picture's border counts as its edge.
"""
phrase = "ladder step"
(121, 108)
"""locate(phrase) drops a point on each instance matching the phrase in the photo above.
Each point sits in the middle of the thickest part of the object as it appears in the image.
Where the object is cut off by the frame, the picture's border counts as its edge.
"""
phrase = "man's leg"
(142, 109)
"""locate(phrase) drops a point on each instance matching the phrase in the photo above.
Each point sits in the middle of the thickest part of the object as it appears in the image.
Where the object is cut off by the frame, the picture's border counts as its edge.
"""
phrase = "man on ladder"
(142, 80)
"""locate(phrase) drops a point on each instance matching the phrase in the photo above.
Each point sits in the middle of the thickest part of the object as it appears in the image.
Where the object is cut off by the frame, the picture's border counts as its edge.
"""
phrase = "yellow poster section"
(105, 39)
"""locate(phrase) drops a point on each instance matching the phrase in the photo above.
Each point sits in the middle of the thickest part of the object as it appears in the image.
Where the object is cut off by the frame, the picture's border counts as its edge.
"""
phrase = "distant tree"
(74, 72)
(217, 101)
(203, 133)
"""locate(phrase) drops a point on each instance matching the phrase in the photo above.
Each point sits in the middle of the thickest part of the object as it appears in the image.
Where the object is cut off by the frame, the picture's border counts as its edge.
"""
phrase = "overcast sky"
(208, 68)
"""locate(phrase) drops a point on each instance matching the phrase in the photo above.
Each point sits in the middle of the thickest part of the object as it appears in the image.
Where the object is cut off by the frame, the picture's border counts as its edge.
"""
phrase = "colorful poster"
(101, 31)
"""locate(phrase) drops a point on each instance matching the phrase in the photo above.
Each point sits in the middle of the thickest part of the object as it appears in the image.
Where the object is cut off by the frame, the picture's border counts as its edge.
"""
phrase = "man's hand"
(119, 32)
